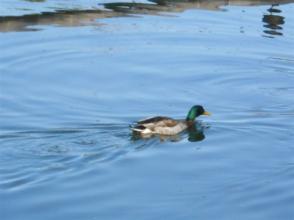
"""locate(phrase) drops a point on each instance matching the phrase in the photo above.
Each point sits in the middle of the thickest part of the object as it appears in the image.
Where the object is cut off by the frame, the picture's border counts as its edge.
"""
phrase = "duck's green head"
(196, 111)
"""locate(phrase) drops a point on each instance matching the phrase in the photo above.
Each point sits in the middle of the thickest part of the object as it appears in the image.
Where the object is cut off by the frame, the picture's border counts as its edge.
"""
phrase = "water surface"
(74, 76)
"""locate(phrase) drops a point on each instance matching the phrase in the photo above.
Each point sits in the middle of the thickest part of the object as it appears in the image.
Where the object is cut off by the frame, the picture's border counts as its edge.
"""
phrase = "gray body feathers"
(160, 125)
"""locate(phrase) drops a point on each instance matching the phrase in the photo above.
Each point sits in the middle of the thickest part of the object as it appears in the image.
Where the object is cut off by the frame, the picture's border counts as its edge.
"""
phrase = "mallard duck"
(167, 126)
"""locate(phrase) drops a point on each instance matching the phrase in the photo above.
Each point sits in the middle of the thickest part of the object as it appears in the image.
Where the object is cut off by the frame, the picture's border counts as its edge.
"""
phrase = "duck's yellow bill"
(206, 113)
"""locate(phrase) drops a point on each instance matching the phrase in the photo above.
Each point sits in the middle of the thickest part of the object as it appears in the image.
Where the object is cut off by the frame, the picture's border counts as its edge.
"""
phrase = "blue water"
(72, 83)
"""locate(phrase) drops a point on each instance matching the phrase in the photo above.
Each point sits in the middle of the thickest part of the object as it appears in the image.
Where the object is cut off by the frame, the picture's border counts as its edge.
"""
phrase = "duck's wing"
(154, 120)
(160, 125)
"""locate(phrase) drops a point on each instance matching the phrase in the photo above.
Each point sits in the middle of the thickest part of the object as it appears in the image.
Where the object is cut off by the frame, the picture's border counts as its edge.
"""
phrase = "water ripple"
(40, 154)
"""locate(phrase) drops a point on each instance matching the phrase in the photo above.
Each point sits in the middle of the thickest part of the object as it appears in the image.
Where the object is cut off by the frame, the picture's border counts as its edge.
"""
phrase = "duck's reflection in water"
(193, 133)
(196, 133)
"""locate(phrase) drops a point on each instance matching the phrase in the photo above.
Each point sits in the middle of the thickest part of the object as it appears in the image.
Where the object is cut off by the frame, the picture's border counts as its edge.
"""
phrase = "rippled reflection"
(79, 17)
(66, 18)
(273, 21)
(35, 0)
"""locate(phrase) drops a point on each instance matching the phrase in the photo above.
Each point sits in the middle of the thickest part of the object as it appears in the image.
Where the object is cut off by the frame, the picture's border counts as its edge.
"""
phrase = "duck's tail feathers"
(141, 129)
(138, 128)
